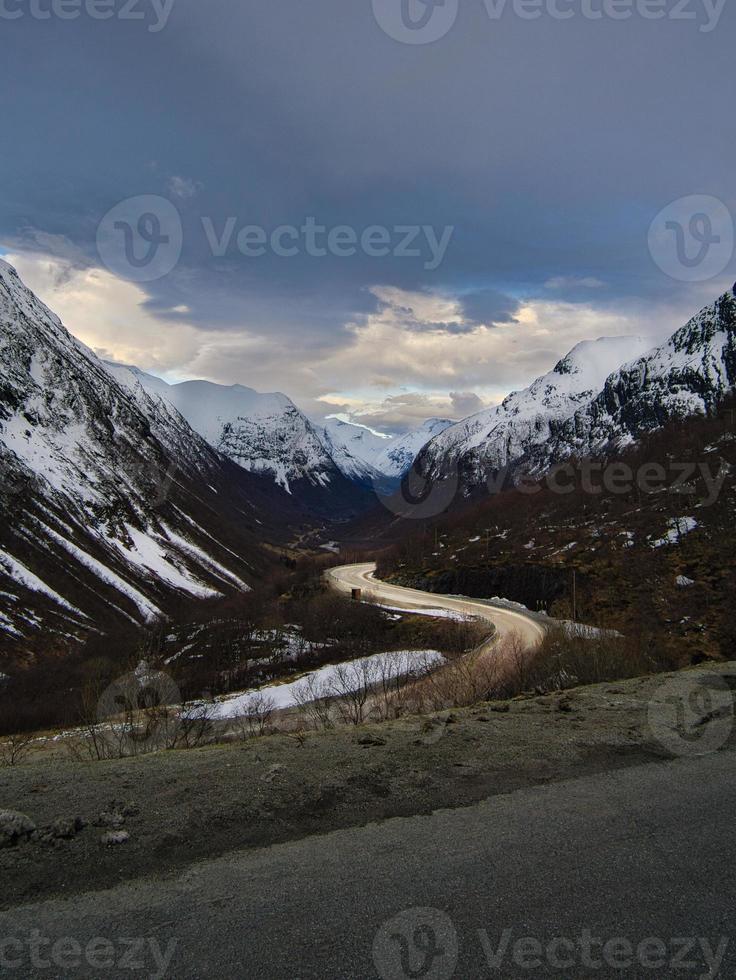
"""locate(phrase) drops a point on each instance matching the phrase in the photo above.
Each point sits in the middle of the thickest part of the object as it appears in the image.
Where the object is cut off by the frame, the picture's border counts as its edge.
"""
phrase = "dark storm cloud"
(488, 306)
(548, 146)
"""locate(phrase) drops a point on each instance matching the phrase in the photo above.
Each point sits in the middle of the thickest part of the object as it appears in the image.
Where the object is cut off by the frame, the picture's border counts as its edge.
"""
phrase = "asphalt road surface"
(626, 874)
(348, 577)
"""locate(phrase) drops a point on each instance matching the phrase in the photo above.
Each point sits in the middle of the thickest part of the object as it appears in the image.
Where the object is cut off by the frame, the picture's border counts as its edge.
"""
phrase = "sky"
(489, 189)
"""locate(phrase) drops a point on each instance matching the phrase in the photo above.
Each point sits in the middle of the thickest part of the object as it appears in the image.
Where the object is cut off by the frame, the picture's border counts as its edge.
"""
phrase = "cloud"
(573, 282)
(488, 306)
(183, 187)
(466, 403)
(393, 367)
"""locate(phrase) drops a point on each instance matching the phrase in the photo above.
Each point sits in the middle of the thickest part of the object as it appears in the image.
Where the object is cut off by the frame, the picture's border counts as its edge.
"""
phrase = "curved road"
(347, 577)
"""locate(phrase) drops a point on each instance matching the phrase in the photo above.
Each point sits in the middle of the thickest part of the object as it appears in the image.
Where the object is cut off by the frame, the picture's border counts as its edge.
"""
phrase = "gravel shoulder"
(172, 809)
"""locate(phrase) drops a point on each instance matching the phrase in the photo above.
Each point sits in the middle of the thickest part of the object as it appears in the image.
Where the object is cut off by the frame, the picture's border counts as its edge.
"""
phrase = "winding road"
(345, 578)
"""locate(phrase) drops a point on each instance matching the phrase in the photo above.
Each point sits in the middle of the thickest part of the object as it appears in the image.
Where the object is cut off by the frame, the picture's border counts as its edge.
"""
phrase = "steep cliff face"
(496, 437)
(265, 434)
(112, 509)
(587, 405)
(397, 457)
(689, 375)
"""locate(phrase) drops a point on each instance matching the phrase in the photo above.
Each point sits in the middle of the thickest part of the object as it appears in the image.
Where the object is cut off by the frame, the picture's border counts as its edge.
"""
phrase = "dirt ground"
(180, 807)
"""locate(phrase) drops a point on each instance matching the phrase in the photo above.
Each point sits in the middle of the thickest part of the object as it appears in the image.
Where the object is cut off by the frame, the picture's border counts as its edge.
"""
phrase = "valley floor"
(186, 806)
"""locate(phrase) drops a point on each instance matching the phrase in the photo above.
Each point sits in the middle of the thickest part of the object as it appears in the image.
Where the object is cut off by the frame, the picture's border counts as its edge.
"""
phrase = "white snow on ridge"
(207, 561)
(19, 573)
(263, 433)
(500, 434)
(147, 609)
(149, 553)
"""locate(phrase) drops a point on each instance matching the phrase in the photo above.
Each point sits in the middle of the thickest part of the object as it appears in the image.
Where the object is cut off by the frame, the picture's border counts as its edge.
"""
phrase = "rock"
(64, 828)
(273, 772)
(368, 740)
(14, 827)
(131, 810)
(564, 704)
(115, 837)
(113, 819)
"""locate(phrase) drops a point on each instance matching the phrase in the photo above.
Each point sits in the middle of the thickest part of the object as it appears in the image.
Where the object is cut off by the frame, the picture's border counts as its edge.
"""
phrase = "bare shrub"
(256, 719)
(187, 729)
(569, 657)
(351, 686)
(15, 748)
(312, 698)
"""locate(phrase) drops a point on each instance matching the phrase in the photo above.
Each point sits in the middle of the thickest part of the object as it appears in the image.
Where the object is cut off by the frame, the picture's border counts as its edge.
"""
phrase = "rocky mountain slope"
(355, 450)
(689, 375)
(490, 440)
(652, 559)
(374, 458)
(114, 511)
(263, 433)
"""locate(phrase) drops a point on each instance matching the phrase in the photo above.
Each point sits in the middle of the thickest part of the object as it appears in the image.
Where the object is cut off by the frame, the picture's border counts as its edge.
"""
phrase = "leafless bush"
(15, 748)
(457, 684)
(256, 718)
(191, 727)
(312, 698)
(568, 657)
(131, 717)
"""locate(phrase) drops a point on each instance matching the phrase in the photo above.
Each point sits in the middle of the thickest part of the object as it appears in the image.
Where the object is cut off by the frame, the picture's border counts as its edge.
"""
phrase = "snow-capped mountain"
(376, 458)
(354, 449)
(491, 439)
(113, 509)
(688, 375)
(263, 433)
